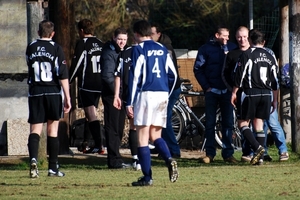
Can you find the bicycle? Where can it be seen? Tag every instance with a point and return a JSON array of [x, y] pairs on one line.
[[187, 124]]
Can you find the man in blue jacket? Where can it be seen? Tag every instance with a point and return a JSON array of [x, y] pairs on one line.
[[208, 72]]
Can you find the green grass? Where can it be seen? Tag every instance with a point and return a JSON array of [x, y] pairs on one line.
[[87, 177]]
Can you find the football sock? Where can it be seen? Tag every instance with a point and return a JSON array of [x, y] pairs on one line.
[[260, 137], [33, 145], [145, 162], [247, 133], [133, 142], [162, 148], [53, 147], [95, 130]]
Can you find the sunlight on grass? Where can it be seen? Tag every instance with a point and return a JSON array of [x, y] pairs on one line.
[[90, 179]]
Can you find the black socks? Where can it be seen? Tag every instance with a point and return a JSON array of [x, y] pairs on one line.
[[33, 145]]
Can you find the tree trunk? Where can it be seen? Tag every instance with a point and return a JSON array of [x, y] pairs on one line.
[[295, 72], [285, 111]]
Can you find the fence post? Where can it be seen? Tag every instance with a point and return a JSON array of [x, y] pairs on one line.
[[294, 28]]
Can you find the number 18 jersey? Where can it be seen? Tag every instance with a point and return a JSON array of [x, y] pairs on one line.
[[46, 63]]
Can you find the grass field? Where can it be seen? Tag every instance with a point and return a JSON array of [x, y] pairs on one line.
[[87, 177]]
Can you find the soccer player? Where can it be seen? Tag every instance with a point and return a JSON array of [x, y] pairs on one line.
[[86, 66], [256, 74], [47, 76], [151, 79]]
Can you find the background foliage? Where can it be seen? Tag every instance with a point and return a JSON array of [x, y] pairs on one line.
[[189, 23]]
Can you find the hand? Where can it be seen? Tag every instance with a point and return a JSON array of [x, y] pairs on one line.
[[274, 106], [233, 99], [117, 103], [129, 110], [67, 105]]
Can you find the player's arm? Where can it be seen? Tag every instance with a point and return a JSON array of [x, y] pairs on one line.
[[67, 99], [172, 74], [78, 57]]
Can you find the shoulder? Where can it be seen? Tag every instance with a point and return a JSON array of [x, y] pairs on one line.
[[231, 46]]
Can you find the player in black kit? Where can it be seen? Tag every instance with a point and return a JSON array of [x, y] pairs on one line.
[[86, 67], [47, 76], [256, 74]]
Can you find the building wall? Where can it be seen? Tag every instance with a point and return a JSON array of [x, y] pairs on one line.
[[13, 87], [13, 26]]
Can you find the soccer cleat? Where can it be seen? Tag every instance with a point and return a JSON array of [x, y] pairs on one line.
[[34, 172], [268, 158], [141, 182], [93, 150], [136, 165], [258, 153], [173, 171], [284, 156], [260, 162], [55, 174]]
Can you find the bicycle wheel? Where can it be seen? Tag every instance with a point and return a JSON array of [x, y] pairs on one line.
[[236, 135], [178, 124]]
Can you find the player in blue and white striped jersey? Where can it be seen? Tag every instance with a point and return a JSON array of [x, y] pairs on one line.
[[151, 79]]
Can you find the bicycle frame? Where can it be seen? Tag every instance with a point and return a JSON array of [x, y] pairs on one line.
[[192, 123]]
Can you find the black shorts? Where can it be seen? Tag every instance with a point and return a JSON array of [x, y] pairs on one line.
[[45, 107], [86, 99], [253, 103]]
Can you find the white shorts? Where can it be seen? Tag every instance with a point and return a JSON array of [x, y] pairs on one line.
[[151, 109]]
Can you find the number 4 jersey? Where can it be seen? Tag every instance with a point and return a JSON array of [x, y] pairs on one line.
[[256, 68], [46, 64], [86, 64]]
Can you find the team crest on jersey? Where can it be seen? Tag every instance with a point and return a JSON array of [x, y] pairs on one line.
[[64, 62], [239, 64]]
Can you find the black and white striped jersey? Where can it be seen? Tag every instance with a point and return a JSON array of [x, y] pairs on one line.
[[86, 64], [46, 63], [256, 68]]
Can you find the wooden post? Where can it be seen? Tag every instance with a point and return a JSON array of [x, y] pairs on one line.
[[285, 110], [294, 28], [35, 14], [59, 14]]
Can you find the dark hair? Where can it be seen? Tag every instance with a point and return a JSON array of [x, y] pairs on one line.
[[221, 28], [120, 30], [46, 28], [86, 25], [142, 27], [156, 25], [256, 36]]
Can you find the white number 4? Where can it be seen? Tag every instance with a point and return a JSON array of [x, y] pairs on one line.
[[155, 68]]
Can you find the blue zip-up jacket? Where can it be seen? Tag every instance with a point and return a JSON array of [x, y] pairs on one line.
[[209, 64]]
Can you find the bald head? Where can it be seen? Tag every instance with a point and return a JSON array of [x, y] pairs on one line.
[[241, 37]]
